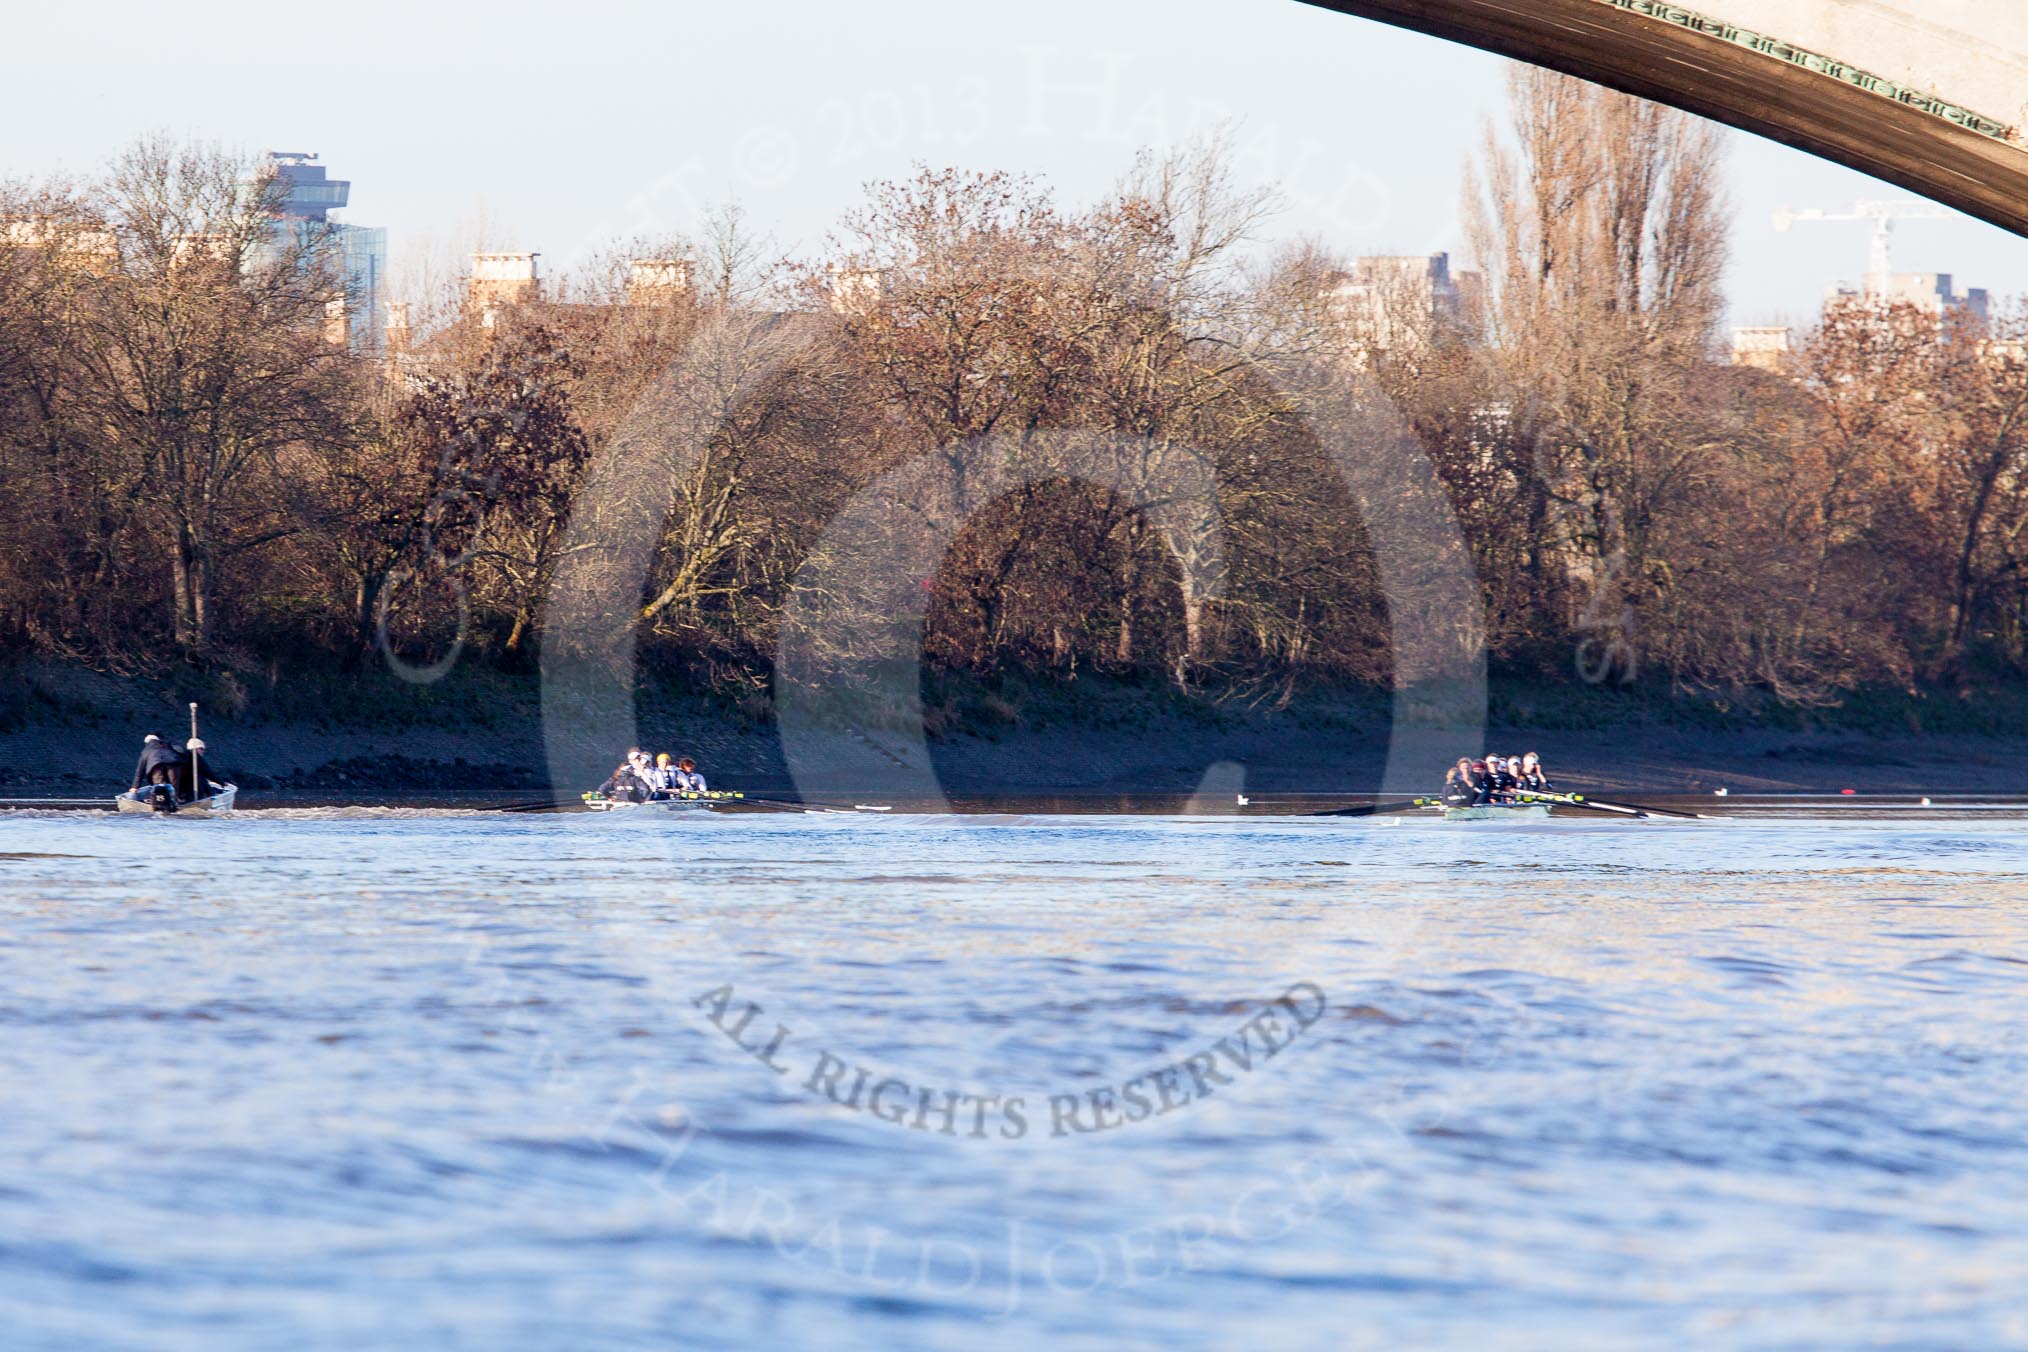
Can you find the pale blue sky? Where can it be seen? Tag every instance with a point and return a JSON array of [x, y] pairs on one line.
[[564, 125]]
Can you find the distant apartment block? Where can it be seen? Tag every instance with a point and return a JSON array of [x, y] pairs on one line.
[[83, 248], [310, 196], [1932, 291], [1397, 301], [1767, 346], [499, 283]]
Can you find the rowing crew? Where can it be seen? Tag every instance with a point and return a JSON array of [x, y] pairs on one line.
[[1496, 779], [640, 780]]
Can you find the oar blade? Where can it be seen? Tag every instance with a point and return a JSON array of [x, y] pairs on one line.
[[1371, 809]]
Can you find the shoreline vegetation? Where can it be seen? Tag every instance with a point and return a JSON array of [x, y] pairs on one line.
[[1127, 487], [72, 730]]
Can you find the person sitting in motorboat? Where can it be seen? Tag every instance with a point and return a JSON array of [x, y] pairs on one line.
[[687, 780], [163, 764]]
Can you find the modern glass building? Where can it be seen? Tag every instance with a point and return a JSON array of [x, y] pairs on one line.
[[311, 196]]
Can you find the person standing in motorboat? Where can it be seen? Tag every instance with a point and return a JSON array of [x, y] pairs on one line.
[[164, 765]]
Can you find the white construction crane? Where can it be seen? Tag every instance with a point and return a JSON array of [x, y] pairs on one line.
[[1883, 214]]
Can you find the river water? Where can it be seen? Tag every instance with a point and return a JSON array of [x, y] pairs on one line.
[[446, 1079]]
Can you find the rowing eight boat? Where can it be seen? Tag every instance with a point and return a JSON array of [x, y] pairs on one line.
[[1498, 812], [675, 802]]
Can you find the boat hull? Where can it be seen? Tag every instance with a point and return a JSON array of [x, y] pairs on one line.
[[219, 801], [1498, 812], [695, 802]]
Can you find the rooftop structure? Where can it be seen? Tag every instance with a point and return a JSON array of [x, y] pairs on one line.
[[1765, 347], [657, 281], [856, 289], [501, 279], [311, 193]]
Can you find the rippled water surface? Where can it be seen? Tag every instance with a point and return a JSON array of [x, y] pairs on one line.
[[460, 1079]]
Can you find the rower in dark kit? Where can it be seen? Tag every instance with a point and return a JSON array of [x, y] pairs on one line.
[[1461, 787], [1498, 785], [626, 784]]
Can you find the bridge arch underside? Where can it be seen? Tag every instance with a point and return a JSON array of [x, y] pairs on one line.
[[1908, 145]]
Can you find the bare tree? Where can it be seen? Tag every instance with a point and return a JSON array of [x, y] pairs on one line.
[[204, 342], [1602, 236]]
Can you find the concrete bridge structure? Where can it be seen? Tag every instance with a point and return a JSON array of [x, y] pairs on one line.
[[1928, 94]]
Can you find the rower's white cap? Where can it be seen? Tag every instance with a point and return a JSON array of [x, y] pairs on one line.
[[151, 737], [195, 745]]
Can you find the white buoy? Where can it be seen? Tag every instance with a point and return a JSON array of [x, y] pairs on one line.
[[1242, 799], [1925, 802]]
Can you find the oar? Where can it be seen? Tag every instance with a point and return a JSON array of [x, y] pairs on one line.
[[1638, 809], [1374, 809], [1624, 809], [52, 802], [546, 805], [817, 807], [1578, 800], [719, 796], [1661, 811]]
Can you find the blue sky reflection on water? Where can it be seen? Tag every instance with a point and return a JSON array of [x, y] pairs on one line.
[[436, 1079]]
